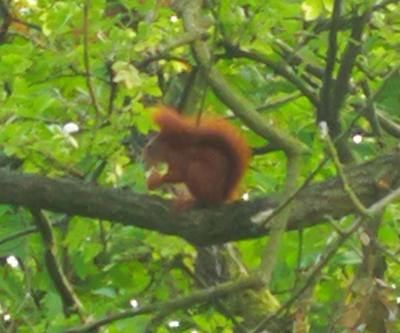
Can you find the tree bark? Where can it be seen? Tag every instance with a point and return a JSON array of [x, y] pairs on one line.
[[202, 227]]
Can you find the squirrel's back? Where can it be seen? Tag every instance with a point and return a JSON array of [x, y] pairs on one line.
[[215, 132]]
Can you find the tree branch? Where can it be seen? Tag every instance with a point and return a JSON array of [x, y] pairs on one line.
[[240, 106], [170, 306], [279, 223], [347, 63], [71, 303], [323, 110], [202, 227], [322, 261], [279, 69], [5, 15]]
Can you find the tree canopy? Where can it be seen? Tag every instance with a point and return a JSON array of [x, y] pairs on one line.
[[311, 246]]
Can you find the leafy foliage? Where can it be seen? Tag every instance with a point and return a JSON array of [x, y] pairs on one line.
[[79, 81]]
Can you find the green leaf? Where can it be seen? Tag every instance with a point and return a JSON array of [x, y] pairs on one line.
[[52, 304], [312, 9], [4, 209]]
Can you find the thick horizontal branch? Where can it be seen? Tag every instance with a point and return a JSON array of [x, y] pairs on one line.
[[369, 181]]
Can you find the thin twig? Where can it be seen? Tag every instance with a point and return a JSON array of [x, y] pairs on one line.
[[370, 113], [240, 106], [27, 24], [86, 62], [383, 81], [346, 186], [332, 248], [295, 59], [24, 233], [273, 104], [278, 228], [219, 305], [71, 303], [279, 69], [382, 203], [170, 306]]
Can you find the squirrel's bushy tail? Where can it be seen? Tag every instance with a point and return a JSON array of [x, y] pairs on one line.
[[170, 120]]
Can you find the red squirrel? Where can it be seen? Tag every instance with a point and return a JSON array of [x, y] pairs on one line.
[[210, 159]]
